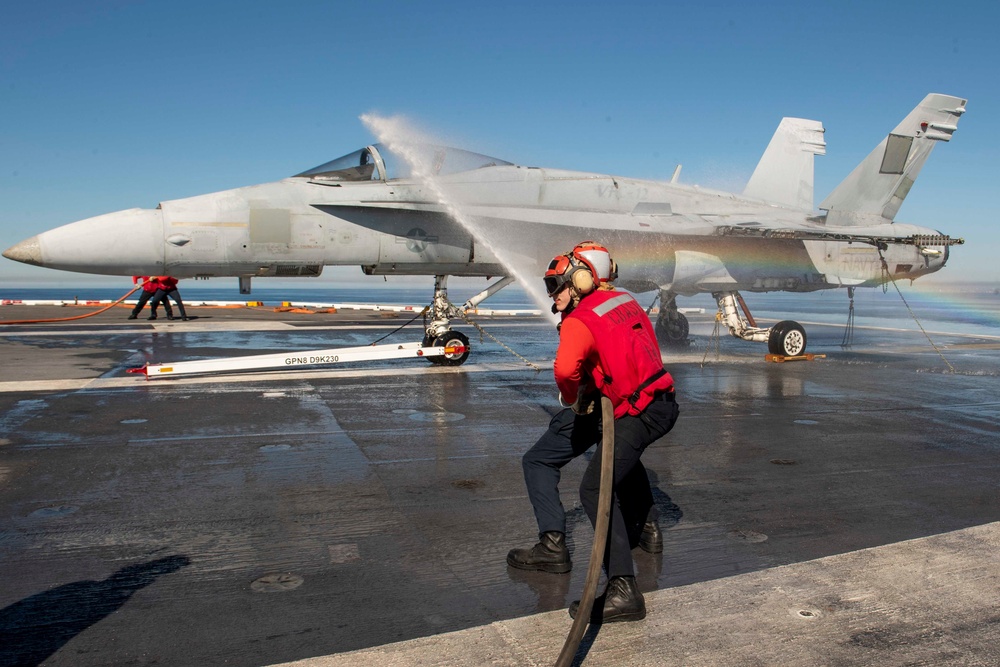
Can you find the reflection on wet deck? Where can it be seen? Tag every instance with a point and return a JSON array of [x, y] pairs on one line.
[[319, 513]]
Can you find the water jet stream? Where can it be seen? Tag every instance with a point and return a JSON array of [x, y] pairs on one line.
[[401, 138]]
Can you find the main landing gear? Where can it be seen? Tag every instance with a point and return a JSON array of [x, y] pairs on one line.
[[439, 332], [786, 338], [671, 326]]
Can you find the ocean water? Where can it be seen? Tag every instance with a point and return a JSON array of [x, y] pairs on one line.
[[511, 297], [971, 308]]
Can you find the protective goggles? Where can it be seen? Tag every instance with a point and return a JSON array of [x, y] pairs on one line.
[[558, 274]]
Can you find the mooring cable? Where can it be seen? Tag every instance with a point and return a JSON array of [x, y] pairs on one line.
[[75, 317], [404, 324], [885, 272], [573, 639], [484, 332], [469, 320], [713, 339]]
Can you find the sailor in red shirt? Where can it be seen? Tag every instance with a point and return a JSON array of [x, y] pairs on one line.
[[606, 346], [149, 288], [167, 288]]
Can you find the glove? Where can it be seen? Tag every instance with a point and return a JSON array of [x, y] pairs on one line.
[[584, 404], [585, 400]]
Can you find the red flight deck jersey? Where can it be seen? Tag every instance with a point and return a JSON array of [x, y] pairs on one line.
[[608, 338], [148, 284], [166, 283]]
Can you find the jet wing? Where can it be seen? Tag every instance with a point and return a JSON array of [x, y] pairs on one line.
[[648, 218]]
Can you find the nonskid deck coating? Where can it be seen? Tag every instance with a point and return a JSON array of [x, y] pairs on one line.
[[267, 518]]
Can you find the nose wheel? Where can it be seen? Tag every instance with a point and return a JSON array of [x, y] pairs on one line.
[[455, 339]]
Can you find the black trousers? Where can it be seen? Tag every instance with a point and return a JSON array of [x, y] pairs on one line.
[[146, 296], [161, 297], [570, 435]]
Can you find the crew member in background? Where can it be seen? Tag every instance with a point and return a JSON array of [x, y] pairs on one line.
[[167, 288], [149, 288], [606, 346]]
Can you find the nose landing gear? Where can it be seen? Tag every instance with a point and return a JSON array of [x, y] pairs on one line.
[[439, 332], [671, 326], [459, 344]]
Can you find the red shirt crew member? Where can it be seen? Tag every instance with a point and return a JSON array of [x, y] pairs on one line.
[[606, 344]]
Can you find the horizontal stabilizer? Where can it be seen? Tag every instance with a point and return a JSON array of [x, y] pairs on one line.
[[784, 174], [875, 190]]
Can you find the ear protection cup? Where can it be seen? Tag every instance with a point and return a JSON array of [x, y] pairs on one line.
[[585, 268], [597, 261], [583, 281]]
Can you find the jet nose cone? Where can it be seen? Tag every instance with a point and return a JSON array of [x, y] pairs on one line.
[[125, 243], [28, 251]]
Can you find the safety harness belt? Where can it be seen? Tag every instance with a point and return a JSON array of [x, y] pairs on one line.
[[652, 378]]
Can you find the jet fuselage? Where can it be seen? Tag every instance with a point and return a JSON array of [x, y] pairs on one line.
[[663, 235]]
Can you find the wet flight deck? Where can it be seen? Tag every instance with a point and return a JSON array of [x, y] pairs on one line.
[[267, 517]]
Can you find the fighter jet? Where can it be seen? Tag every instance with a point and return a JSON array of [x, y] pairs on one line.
[[416, 209]]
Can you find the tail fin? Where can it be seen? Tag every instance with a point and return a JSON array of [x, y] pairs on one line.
[[874, 191], [784, 174]]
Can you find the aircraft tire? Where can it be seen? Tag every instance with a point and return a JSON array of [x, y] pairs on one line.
[[449, 338], [673, 334], [787, 338]]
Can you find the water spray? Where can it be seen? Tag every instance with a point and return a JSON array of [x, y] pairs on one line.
[[402, 138]]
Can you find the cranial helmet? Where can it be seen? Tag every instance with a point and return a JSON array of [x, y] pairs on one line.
[[585, 267]]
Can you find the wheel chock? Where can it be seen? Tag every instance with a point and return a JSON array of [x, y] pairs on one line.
[[780, 358]]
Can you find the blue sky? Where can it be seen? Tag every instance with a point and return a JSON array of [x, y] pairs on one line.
[[110, 105]]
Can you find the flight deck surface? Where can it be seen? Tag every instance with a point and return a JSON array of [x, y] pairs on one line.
[[838, 511]]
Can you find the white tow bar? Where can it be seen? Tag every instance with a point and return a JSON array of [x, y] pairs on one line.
[[337, 355]]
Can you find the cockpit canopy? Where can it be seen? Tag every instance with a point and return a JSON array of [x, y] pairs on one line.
[[378, 162]]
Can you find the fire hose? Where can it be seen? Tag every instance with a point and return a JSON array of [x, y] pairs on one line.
[[576, 632], [75, 317]]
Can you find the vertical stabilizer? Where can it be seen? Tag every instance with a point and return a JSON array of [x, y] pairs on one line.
[[874, 191], [784, 174]]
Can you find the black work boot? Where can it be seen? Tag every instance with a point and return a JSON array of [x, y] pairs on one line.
[[621, 601], [549, 555], [651, 539]]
